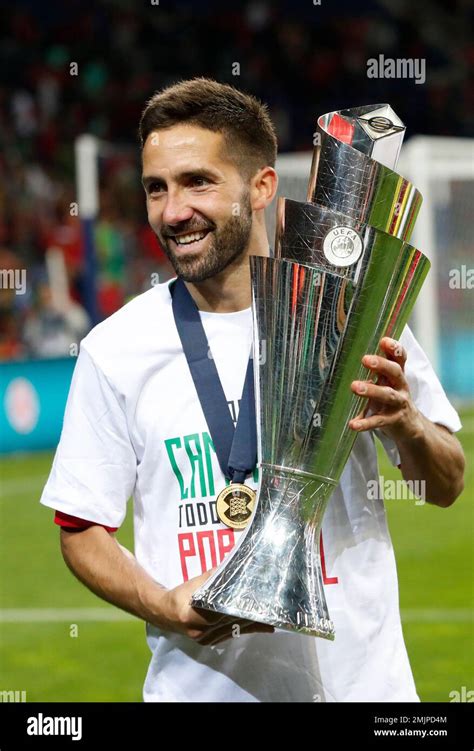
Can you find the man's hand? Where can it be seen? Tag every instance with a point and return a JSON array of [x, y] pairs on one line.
[[202, 626], [428, 452], [389, 400]]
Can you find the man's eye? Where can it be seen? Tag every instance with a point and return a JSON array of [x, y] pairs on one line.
[[199, 181], [155, 188]]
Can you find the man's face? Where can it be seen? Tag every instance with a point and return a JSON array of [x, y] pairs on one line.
[[198, 204]]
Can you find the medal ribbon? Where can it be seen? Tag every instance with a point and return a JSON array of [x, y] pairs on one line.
[[236, 448]]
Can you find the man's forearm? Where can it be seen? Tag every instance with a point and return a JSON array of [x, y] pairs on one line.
[[113, 573], [434, 456]]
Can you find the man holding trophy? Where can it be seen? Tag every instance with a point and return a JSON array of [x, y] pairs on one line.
[[229, 401]]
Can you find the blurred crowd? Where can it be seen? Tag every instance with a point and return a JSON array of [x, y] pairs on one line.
[[83, 66]]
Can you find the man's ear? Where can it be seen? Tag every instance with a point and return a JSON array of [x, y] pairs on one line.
[[263, 187]]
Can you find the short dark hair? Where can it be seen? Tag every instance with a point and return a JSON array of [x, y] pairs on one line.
[[243, 120]]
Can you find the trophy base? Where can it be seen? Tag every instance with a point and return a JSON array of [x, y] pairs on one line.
[[325, 630], [274, 574]]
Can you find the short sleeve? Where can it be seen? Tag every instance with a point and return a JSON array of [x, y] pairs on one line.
[[426, 391], [94, 468]]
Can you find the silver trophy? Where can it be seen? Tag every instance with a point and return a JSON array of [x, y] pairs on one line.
[[343, 277]]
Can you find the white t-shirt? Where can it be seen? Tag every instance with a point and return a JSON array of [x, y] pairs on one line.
[[134, 425]]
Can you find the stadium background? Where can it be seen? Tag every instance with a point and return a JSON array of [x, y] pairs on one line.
[[57, 641]]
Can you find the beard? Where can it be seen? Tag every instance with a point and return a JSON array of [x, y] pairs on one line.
[[225, 245]]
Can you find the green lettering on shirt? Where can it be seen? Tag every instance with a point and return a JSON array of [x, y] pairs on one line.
[[169, 443], [208, 445], [195, 458], [199, 450]]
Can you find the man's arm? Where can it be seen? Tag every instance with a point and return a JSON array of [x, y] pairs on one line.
[[435, 456], [428, 452], [110, 571]]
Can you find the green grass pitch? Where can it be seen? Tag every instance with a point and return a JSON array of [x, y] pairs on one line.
[[55, 657]]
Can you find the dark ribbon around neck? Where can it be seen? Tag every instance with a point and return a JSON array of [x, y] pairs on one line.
[[236, 448]]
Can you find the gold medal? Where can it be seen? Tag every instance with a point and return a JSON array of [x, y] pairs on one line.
[[235, 505]]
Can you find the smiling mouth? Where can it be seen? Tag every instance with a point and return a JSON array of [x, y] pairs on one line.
[[190, 238]]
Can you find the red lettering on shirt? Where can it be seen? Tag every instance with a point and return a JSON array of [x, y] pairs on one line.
[[187, 549], [209, 547], [201, 538], [226, 541]]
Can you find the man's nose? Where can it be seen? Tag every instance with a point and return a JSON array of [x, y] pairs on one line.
[[176, 209]]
